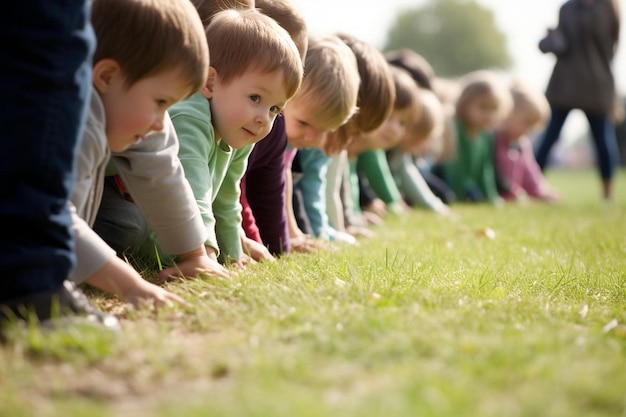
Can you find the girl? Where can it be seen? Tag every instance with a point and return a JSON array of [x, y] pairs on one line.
[[481, 105], [515, 160]]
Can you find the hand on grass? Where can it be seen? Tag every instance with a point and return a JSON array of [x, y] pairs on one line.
[[256, 250], [193, 263]]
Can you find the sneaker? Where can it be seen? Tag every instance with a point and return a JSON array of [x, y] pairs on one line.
[[66, 302]]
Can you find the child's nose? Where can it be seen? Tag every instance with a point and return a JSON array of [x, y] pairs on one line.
[[263, 118], [158, 124]]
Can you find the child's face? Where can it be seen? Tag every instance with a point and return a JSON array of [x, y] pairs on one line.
[[244, 109], [517, 124], [303, 131], [131, 113], [391, 132], [482, 113]]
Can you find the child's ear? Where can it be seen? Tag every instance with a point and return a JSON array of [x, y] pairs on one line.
[[103, 72], [207, 89]]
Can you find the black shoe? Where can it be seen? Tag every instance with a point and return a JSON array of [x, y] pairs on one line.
[[65, 302]]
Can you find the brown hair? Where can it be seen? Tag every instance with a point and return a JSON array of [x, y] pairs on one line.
[[331, 81], [207, 8], [245, 40], [290, 18], [415, 64], [376, 92], [407, 91], [148, 37]]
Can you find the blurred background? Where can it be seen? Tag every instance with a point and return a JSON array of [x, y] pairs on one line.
[[459, 36]]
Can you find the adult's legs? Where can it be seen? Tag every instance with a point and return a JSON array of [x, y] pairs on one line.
[[607, 152], [550, 135], [45, 80]]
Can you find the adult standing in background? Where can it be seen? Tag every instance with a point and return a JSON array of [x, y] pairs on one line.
[[45, 80], [584, 43]]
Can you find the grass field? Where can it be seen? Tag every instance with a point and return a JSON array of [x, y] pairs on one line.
[[432, 317]]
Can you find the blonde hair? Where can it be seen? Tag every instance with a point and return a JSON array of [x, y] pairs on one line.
[[290, 18], [430, 125], [331, 81], [148, 37], [479, 84], [531, 102], [207, 8], [245, 40]]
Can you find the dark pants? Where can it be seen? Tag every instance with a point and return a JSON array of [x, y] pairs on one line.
[[602, 131], [45, 80]]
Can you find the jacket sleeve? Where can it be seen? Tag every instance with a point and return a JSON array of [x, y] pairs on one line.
[[155, 178], [91, 251]]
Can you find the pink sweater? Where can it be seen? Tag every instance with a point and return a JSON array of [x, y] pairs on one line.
[[518, 166]]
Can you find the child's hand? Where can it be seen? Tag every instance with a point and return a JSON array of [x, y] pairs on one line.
[[147, 292], [372, 218], [193, 263], [305, 244], [378, 207], [256, 250]]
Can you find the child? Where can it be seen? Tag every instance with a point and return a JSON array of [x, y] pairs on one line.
[[255, 70], [136, 77], [325, 101], [482, 104], [514, 153], [264, 224], [144, 176], [367, 155], [375, 102], [420, 136]]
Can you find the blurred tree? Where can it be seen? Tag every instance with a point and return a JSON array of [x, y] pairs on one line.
[[455, 36]]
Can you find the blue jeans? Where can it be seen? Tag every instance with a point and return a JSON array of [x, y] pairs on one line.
[[602, 130], [45, 81]]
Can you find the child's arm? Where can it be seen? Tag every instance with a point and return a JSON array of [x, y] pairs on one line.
[[376, 169], [313, 186], [227, 208], [98, 265], [154, 176], [532, 179], [334, 205], [119, 278], [265, 188], [487, 179], [414, 186]]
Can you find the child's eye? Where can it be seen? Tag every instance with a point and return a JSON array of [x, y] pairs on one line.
[[275, 109], [161, 103], [255, 97]]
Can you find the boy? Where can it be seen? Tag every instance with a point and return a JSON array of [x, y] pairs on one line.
[[325, 101], [264, 219], [375, 102], [137, 75], [141, 178], [255, 70]]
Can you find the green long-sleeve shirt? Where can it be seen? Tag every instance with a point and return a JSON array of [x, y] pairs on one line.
[[214, 171], [472, 169]]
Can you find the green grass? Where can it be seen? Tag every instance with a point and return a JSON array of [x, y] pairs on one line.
[[430, 318]]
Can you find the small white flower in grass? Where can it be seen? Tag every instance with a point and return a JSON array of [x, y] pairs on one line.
[[583, 311], [609, 326], [339, 282]]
